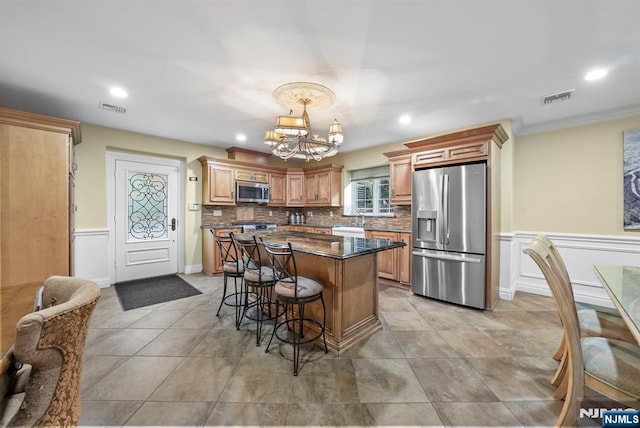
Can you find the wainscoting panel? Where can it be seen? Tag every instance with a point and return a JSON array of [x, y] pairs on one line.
[[580, 252], [90, 257]]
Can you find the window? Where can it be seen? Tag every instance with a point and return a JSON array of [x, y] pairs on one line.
[[371, 196], [368, 193]]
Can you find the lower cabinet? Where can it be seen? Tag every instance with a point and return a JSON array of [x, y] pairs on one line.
[[211, 262], [404, 275], [394, 265], [322, 230]]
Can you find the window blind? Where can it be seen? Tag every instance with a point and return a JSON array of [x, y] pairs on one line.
[[366, 173]]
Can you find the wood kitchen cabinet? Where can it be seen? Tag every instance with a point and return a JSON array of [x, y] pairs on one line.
[[456, 153], [404, 262], [277, 190], [251, 175], [211, 262], [36, 219], [400, 175], [395, 264], [323, 186], [218, 184], [387, 260], [295, 187], [322, 230]]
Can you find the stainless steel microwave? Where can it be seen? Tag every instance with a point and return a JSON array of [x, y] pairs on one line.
[[252, 192]]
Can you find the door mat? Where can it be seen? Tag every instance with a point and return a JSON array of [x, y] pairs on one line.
[[150, 291]]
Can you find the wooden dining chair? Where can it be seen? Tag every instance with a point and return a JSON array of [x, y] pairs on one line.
[[608, 366], [601, 322]]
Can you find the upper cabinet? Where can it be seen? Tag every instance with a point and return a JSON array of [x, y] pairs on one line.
[[323, 186], [251, 175], [295, 187], [400, 170], [218, 184], [476, 144], [278, 189], [290, 187]]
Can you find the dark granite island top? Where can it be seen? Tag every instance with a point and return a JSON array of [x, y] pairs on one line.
[[348, 270], [337, 247]]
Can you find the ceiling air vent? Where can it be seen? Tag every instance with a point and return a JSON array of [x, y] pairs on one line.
[[556, 98], [111, 107]]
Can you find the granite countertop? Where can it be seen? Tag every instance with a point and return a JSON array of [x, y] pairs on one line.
[[379, 229], [372, 228], [337, 247]]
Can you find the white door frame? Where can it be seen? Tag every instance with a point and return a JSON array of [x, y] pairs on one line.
[[112, 157]]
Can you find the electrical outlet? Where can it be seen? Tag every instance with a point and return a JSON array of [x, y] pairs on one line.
[[217, 213]]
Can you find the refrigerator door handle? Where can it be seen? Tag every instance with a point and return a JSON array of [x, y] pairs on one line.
[[449, 257], [445, 204], [441, 223]]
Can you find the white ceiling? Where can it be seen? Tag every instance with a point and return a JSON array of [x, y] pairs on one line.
[[203, 71]]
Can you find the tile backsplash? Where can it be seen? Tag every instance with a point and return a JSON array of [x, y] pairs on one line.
[[320, 216]]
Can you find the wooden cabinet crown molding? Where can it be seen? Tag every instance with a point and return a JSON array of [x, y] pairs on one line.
[[38, 121], [457, 147], [326, 167], [482, 134], [240, 154], [233, 163]]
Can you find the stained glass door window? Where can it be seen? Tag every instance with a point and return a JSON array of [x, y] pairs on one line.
[[147, 213]]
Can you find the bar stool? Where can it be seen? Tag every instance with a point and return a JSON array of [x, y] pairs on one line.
[[232, 267], [259, 282], [294, 292]]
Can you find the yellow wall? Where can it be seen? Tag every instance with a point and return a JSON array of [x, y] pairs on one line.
[[570, 180]]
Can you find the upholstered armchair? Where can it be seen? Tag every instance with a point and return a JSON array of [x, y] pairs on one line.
[[51, 340]]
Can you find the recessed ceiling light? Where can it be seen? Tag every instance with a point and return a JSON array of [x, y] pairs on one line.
[[595, 74], [118, 92], [241, 137], [404, 119]]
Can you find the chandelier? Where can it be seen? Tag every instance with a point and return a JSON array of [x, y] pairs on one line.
[[291, 137]]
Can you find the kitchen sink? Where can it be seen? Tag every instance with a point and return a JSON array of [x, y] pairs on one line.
[[348, 231]]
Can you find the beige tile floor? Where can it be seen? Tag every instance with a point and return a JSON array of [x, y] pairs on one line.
[[433, 364]]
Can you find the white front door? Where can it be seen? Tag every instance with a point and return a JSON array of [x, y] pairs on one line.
[[146, 216]]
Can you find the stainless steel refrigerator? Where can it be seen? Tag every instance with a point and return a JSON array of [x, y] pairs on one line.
[[449, 223]]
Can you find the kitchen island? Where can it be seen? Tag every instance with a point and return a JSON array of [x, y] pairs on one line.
[[347, 267]]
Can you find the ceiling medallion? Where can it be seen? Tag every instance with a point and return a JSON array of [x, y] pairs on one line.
[[291, 137]]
